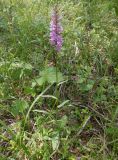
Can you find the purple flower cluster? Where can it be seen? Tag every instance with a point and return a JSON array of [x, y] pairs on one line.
[[56, 30]]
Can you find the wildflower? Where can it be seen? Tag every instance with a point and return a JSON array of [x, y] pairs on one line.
[[56, 30]]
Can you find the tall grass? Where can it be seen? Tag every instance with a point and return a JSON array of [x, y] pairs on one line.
[[83, 124]]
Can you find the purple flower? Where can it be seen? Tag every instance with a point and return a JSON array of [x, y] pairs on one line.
[[56, 30]]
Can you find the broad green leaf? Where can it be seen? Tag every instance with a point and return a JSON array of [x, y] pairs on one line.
[[48, 75]]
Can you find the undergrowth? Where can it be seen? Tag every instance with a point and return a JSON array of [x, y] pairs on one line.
[[76, 118]]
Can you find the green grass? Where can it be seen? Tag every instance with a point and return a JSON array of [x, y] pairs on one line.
[[76, 118]]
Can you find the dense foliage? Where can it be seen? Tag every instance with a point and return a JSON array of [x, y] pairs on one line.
[[66, 110]]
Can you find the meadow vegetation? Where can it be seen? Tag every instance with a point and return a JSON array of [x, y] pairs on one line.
[[76, 117]]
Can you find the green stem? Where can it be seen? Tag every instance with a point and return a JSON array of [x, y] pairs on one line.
[[56, 65], [56, 72]]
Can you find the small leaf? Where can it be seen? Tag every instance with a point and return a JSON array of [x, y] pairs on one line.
[[19, 106], [21, 65], [89, 87], [29, 91], [40, 81], [28, 66], [55, 142], [81, 80], [63, 121]]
